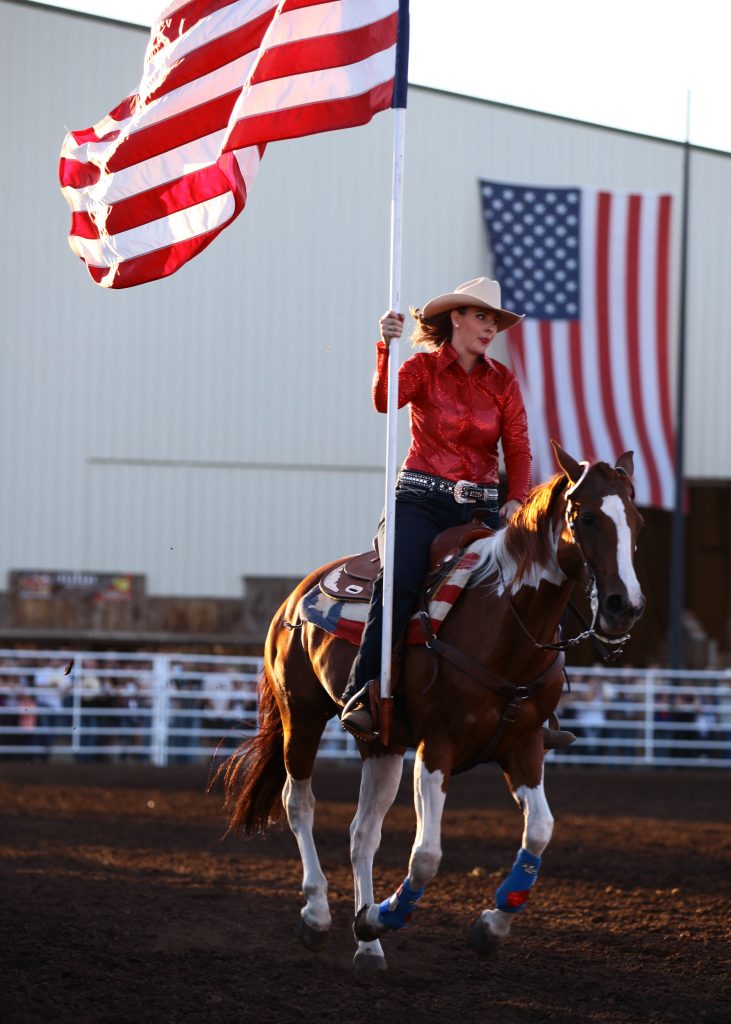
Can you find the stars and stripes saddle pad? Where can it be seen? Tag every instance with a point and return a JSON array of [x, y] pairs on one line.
[[346, 619]]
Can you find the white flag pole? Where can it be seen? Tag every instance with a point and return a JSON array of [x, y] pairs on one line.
[[392, 412], [400, 90]]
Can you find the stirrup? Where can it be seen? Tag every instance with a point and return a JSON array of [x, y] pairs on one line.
[[356, 717]]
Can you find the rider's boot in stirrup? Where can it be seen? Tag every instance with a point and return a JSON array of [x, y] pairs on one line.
[[356, 716], [557, 739]]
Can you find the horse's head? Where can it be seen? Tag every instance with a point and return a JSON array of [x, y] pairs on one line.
[[602, 527]]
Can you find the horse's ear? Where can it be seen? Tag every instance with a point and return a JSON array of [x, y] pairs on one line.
[[569, 465], [626, 464]]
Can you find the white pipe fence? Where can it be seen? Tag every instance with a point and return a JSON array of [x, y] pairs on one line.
[[173, 708]]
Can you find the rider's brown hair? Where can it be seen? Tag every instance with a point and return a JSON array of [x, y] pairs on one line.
[[433, 331]]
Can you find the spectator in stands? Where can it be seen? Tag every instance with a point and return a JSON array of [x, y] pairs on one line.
[[27, 716], [51, 685], [663, 724], [621, 716], [686, 733], [724, 717], [92, 696], [129, 722], [707, 724], [185, 712], [243, 704], [590, 715], [8, 700], [218, 688]]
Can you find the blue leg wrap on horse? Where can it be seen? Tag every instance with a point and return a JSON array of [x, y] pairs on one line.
[[396, 911], [515, 890]]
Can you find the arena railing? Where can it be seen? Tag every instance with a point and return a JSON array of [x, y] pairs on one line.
[[177, 708]]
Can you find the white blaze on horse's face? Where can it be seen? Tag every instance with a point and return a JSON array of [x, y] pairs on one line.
[[613, 506]]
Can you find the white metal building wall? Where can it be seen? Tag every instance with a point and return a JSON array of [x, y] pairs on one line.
[[218, 424], [708, 382]]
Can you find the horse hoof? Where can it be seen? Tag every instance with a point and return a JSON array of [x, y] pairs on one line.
[[363, 929], [365, 962], [312, 938], [482, 940]]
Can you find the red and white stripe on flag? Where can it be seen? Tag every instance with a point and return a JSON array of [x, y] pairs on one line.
[[154, 182], [590, 270]]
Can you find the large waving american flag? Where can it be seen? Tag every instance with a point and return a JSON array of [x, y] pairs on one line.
[[155, 181], [590, 271]]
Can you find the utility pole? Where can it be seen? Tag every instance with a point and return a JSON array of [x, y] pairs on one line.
[[677, 541]]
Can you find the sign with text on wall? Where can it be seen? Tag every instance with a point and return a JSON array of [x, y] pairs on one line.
[[98, 587]]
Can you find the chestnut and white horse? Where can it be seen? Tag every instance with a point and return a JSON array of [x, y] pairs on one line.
[[479, 692]]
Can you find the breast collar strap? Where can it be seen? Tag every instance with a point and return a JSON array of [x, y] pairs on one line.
[[515, 696], [472, 667]]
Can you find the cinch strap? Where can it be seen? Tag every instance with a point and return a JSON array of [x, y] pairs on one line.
[[515, 890], [396, 911]]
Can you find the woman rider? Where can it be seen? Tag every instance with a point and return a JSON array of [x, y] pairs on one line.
[[461, 404]]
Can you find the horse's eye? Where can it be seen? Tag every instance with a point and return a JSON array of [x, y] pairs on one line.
[[587, 518]]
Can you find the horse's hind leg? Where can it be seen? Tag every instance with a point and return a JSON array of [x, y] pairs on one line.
[[300, 749], [378, 787], [524, 773]]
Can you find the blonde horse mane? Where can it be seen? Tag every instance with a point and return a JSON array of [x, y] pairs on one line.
[[525, 551]]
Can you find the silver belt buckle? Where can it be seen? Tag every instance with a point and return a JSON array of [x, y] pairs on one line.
[[459, 489]]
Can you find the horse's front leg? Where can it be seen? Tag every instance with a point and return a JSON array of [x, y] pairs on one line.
[[378, 787], [376, 919], [493, 926]]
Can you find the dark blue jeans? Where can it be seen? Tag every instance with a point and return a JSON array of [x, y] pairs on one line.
[[421, 514]]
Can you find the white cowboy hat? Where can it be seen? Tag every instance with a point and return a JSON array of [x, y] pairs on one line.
[[481, 292]]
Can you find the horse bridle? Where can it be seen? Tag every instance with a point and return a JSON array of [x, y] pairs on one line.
[[571, 514]]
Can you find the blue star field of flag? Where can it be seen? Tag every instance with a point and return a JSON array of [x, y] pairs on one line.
[[534, 236]]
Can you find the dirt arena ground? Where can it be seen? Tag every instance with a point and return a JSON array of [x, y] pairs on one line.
[[121, 904]]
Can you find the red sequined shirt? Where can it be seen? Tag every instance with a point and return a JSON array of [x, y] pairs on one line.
[[457, 418]]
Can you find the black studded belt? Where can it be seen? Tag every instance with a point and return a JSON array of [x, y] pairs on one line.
[[463, 491]]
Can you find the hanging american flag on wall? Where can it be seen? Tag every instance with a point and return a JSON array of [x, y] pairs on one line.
[[154, 182], [590, 271]]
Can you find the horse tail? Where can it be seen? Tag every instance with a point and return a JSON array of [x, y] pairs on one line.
[[254, 775]]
